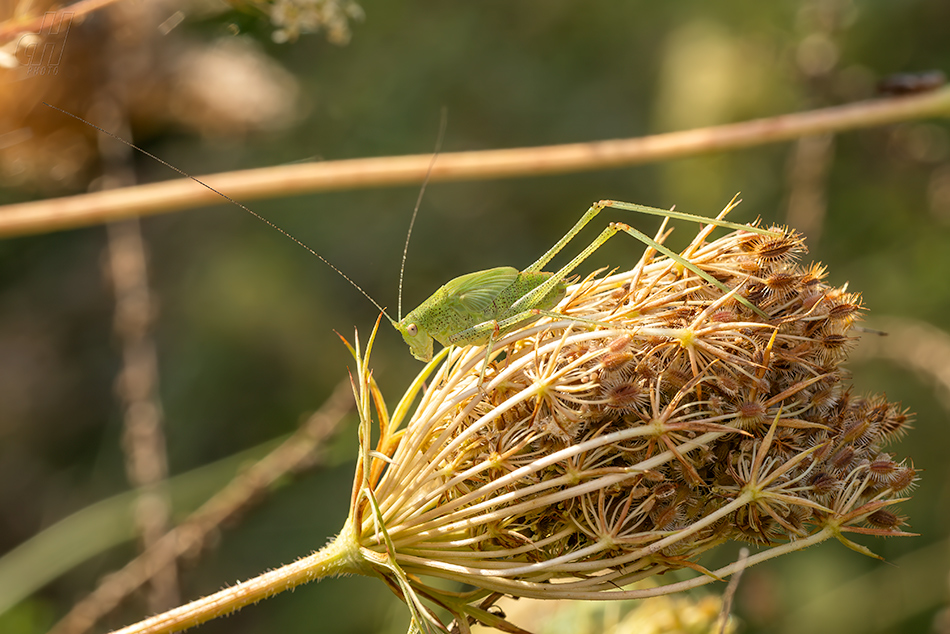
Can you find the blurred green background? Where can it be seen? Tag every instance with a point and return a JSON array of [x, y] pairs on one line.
[[246, 320]]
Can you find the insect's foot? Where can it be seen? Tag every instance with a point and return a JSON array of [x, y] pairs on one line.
[[483, 394]]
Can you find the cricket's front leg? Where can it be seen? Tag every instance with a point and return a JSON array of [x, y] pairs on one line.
[[489, 332], [493, 329]]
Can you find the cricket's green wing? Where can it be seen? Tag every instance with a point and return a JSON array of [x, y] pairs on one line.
[[472, 295]]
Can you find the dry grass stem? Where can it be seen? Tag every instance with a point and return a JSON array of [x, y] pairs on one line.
[[286, 180], [143, 436], [809, 169], [296, 454]]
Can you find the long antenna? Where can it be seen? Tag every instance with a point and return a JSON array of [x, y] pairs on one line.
[[228, 198], [405, 249]]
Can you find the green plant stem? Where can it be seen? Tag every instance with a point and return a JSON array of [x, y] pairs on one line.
[[286, 180], [341, 556]]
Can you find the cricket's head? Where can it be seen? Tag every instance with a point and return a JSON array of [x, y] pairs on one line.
[[420, 343]]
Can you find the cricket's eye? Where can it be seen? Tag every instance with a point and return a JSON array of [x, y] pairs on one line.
[[412, 330]]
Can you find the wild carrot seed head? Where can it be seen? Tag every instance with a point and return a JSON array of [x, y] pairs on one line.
[[668, 421]]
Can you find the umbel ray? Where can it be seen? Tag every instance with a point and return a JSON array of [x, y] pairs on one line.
[[479, 308]]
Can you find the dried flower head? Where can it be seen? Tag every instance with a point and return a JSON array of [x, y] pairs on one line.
[[661, 417], [225, 88], [660, 414]]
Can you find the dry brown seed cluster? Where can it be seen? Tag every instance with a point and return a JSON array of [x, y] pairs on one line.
[[595, 456]]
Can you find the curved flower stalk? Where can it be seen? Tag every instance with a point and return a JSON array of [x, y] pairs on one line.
[[659, 418]]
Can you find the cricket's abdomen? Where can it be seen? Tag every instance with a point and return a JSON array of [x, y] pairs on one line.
[[466, 314]]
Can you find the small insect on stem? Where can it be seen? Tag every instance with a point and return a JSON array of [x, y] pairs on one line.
[[481, 307]]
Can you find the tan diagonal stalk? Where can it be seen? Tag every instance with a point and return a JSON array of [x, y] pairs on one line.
[[286, 180]]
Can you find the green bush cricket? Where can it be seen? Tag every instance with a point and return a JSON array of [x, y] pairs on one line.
[[479, 308]]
